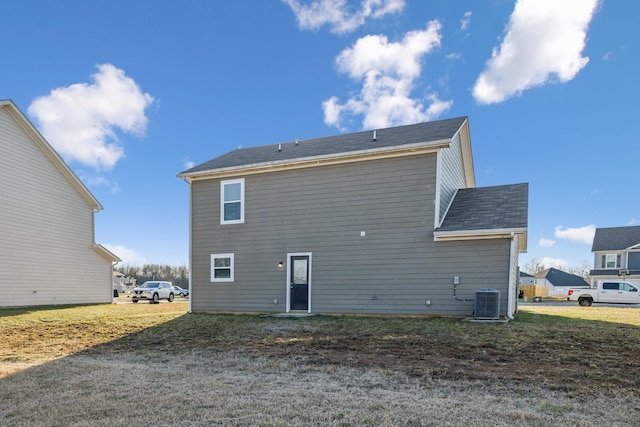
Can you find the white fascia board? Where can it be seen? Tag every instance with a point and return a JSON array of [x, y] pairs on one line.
[[329, 159], [482, 235], [467, 154], [106, 253]]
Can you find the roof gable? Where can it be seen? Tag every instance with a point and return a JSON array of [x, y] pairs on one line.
[[55, 158], [616, 238], [429, 134]]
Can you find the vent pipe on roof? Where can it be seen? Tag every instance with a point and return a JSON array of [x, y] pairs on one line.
[[296, 140], [374, 135], [279, 147]]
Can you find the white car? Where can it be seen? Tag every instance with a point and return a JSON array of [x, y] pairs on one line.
[[153, 291], [180, 292]]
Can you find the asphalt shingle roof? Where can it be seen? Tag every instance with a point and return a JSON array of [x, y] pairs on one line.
[[488, 208], [347, 143], [615, 238], [560, 278]]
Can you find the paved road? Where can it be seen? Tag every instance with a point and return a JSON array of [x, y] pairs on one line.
[[572, 304]]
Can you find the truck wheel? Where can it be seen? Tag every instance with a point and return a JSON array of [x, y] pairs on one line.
[[585, 302]]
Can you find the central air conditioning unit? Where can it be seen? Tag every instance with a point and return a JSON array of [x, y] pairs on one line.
[[487, 304]]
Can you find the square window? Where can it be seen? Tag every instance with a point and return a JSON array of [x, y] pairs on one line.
[[222, 267], [232, 201]]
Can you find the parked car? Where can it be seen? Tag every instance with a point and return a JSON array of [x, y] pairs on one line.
[[606, 291], [153, 291], [180, 292]]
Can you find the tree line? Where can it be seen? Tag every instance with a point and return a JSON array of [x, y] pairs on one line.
[[536, 265], [179, 275]]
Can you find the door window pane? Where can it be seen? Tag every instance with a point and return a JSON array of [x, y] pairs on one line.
[[300, 268]]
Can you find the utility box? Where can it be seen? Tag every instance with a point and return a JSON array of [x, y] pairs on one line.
[[487, 305]]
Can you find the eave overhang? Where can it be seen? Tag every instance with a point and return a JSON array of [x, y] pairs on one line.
[[443, 236], [106, 253], [324, 160], [467, 154]]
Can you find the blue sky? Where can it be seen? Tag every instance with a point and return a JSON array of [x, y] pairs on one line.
[[131, 93]]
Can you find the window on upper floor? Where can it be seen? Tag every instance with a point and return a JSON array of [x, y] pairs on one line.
[[610, 261], [222, 266], [232, 201]]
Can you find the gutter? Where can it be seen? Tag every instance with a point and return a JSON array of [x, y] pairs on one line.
[[302, 162]]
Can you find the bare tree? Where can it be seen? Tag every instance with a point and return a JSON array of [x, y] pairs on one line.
[[583, 269], [535, 265], [179, 275]]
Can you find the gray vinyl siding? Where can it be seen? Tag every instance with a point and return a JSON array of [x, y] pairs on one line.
[[47, 251], [451, 174], [395, 268]]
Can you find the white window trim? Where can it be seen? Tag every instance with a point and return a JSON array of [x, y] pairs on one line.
[[231, 267], [222, 185], [288, 283], [615, 261]]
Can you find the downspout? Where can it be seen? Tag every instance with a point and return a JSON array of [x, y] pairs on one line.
[[188, 181], [512, 279]]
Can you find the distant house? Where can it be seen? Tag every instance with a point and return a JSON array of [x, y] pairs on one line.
[[387, 221], [47, 250], [616, 253], [527, 279], [557, 281]]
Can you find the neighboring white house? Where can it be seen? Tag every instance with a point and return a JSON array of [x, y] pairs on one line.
[[47, 250]]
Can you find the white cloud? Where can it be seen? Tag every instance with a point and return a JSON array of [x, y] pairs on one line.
[[466, 19], [546, 243], [93, 181], [80, 120], [543, 43], [634, 221], [581, 234], [558, 263], [127, 255], [188, 164], [340, 16], [388, 72]]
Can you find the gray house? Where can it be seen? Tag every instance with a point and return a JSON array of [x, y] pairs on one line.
[[387, 221], [616, 253], [48, 254]]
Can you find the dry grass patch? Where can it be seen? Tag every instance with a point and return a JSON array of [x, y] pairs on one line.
[[551, 366]]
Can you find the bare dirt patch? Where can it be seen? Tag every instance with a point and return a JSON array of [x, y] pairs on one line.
[[548, 367]]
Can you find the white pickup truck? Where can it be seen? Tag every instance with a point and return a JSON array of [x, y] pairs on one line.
[[606, 291]]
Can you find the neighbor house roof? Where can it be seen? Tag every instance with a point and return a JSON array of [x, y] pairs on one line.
[[616, 238], [560, 278], [50, 152], [485, 211], [429, 135]]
